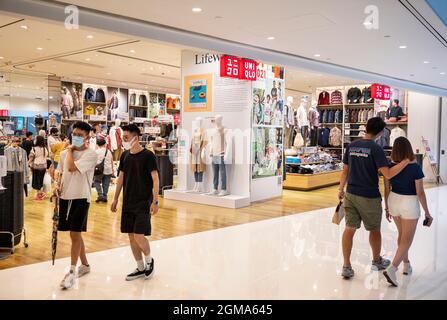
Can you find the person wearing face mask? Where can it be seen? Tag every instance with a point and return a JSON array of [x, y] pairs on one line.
[[138, 176], [76, 169]]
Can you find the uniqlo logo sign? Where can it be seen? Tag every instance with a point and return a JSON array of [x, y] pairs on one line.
[[247, 69], [239, 68], [380, 91], [229, 66]]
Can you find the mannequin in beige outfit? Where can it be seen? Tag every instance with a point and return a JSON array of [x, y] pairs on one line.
[[197, 151]]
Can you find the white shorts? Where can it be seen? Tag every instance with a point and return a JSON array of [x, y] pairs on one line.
[[406, 207]]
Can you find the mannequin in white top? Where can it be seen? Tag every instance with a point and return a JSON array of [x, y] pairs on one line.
[[197, 150], [116, 140], [289, 122], [303, 120], [220, 152]]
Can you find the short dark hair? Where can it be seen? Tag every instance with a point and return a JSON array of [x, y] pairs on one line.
[[101, 142], [29, 134], [375, 125], [132, 128], [54, 130], [84, 126], [62, 137], [396, 101], [402, 150], [40, 142]]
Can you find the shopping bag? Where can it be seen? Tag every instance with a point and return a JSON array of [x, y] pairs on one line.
[[339, 213]]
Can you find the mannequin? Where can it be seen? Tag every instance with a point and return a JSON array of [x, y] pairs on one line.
[[314, 123], [289, 122], [220, 152], [116, 140], [113, 106], [303, 120], [197, 151]]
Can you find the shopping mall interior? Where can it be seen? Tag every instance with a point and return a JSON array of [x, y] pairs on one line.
[[292, 90]]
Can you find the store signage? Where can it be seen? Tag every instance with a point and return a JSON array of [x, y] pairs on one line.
[[206, 58], [428, 152], [97, 118], [152, 130], [261, 71], [165, 118], [229, 66], [140, 120], [380, 91], [238, 68], [247, 69]]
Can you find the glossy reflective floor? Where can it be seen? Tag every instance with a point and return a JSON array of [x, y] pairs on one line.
[[293, 257]]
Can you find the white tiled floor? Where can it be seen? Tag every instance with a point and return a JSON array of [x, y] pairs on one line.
[[295, 257]]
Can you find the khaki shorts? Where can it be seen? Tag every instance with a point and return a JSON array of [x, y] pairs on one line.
[[358, 209]]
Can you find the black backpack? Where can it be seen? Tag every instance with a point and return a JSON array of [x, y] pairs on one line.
[[99, 168]]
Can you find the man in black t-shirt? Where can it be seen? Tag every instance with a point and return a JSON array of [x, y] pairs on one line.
[[138, 176], [28, 143], [363, 160]]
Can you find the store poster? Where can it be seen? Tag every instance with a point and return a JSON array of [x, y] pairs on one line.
[[71, 100], [117, 104], [162, 103], [267, 118], [172, 102], [198, 93]]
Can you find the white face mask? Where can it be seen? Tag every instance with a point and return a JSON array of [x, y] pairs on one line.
[[128, 144]]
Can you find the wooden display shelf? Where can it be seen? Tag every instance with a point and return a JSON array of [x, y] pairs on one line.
[[307, 182], [94, 102], [145, 107], [360, 105], [331, 106]]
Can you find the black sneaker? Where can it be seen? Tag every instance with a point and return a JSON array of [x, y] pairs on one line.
[[149, 269], [135, 275]]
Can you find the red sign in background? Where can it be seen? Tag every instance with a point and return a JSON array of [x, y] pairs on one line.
[[238, 68], [229, 66], [380, 91]]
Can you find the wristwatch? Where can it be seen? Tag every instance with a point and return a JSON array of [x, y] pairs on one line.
[[155, 202]]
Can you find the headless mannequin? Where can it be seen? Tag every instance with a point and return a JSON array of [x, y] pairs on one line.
[[303, 120], [289, 122], [197, 150], [314, 123], [218, 147]]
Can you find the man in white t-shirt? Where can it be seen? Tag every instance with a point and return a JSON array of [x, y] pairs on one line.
[[76, 169]]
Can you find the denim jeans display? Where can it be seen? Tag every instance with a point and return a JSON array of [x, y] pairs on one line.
[[198, 176], [102, 186], [219, 169]]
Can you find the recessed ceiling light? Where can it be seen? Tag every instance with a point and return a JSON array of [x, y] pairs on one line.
[[196, 9], [132, 51], [152, 68], [442, 73], [51, 97], [2, 58], [108, 73], [367, 23], [25, 27], [426, 62], [89, 36], [270, 38], [402, 47], [39, 48], [87, 59], [317, 55]]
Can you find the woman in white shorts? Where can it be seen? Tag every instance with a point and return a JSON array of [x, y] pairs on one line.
[[403, 194]]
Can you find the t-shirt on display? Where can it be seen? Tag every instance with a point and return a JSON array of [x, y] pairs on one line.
[[364, 158], [138, 183]]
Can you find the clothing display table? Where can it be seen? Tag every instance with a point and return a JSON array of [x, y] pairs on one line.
[[307, 182]]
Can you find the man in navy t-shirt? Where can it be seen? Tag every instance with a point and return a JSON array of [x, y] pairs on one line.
[[363, 160]]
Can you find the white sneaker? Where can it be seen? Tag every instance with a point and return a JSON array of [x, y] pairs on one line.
[[214, 192], [68, 281], [390, 275], [408, 270], [223, 193], [83, 270]]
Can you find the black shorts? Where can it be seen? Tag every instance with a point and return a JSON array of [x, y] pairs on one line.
[[139, 223], [38, 178], [76, 218]]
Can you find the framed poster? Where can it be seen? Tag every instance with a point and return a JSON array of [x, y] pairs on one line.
[[198, 93]]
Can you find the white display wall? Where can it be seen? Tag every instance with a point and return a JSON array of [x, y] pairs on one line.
[[233, 100]]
